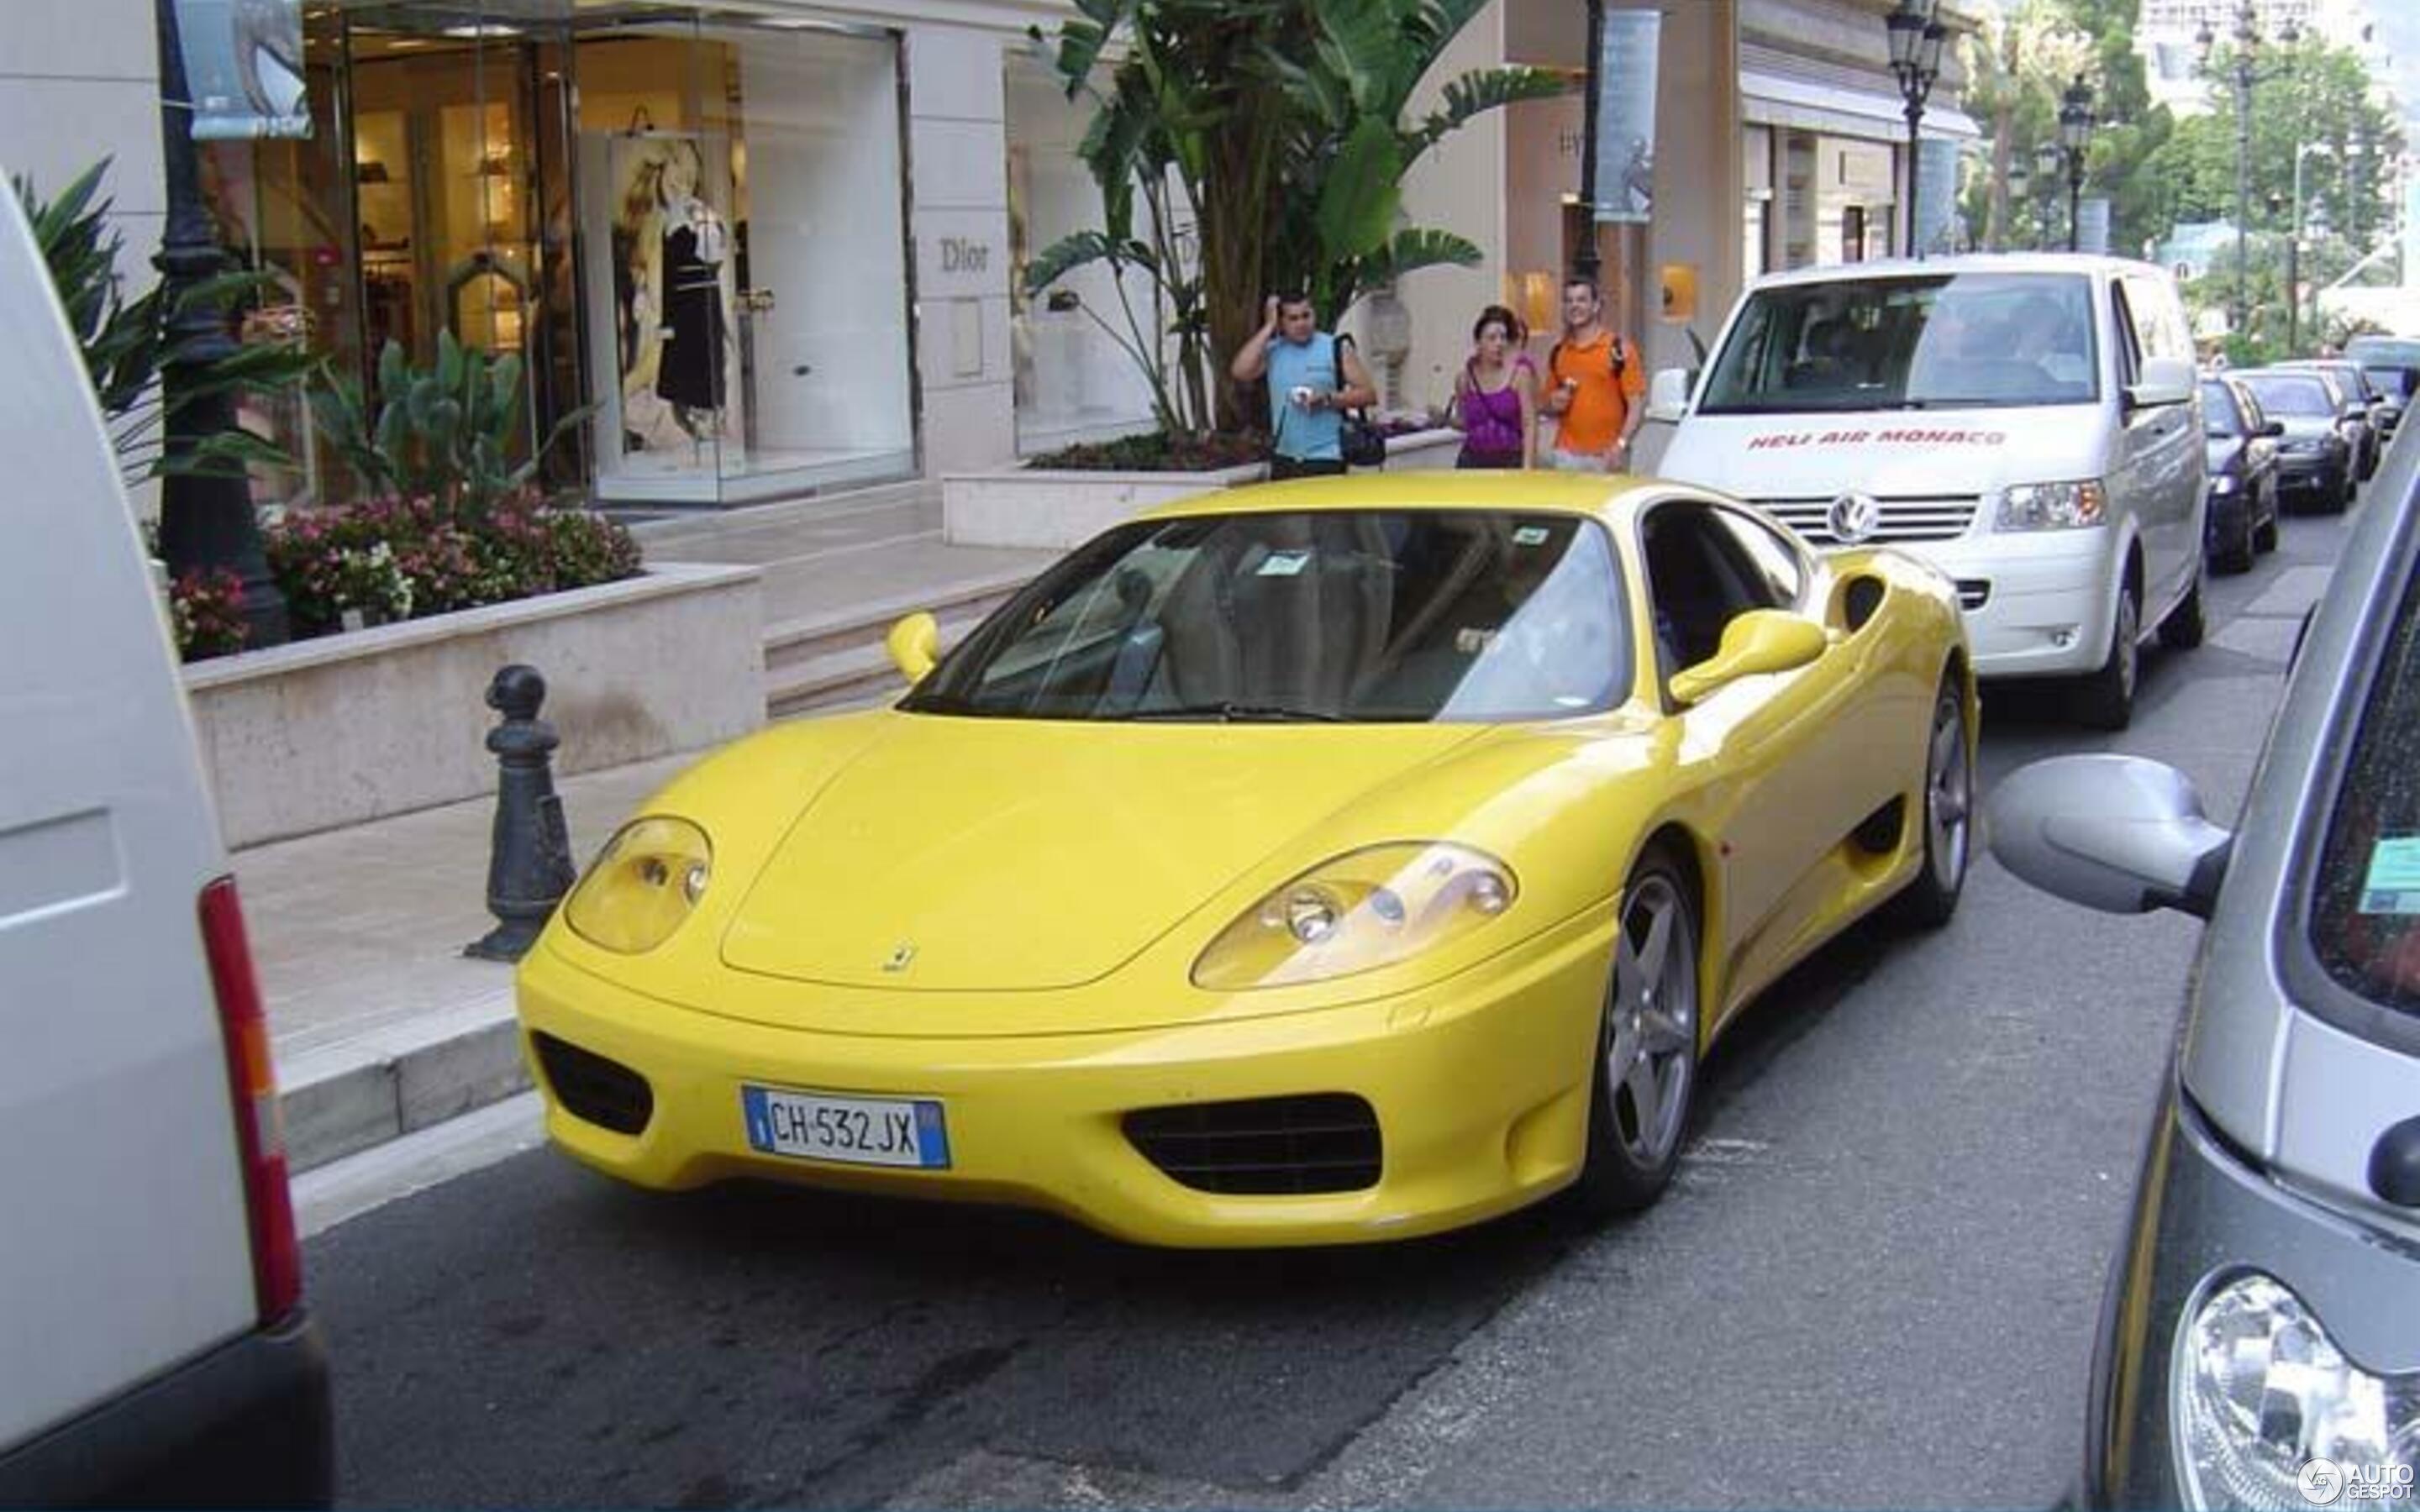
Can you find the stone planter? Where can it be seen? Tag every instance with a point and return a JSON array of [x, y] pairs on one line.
[[348, 728]]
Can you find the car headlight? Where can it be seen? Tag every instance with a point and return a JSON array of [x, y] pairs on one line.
[[1357, 912], [2224, 483], [2053, 506], [646, 880], [2258, 1392]]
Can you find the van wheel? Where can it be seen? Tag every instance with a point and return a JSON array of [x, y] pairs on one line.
[[2185, 626], [1645, 1065], [1931, 896], [2104, 700]]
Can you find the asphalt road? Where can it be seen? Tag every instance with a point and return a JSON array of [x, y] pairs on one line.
[[1872, 1284]]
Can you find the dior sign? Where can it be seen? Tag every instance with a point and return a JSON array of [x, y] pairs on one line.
[[964, 255]]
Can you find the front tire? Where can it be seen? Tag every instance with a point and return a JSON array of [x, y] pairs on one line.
[[2238, 555], [1931, 896], [2185, 626], [1646, 1066], [2104, 700], [2264, 535]]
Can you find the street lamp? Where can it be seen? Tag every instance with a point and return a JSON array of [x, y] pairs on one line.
[[2074, 136], [2020, 180], [1915, 39], [2246, 75], [2294, 248], [2047, 159], [205, 521]]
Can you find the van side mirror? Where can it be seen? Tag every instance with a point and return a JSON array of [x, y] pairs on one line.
[[2164, 380], [2271, 428], [1667, 394]]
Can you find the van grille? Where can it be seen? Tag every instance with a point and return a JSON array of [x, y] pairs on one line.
[[1943, 519], [1271, 1146], [604, 1092]]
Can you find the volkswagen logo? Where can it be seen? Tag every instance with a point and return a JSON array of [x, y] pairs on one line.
[[1854, 517]]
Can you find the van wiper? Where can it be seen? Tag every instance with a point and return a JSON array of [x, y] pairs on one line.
[[1228, 711]]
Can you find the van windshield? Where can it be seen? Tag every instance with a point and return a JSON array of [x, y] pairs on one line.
[[1934, 342]]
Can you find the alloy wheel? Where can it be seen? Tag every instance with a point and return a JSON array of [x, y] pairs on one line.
[[1651, 1052], [1949, 797]]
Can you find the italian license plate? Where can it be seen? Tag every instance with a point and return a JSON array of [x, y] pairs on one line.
[[854, 1130]]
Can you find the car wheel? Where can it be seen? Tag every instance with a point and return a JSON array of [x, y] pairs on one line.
[[1931, 896], [2340, 498], [2264, 535], [2185, 626], [2104, 699], [2239, 553], [1646, 1067]]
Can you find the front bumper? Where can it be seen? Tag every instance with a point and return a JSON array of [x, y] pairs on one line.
[[1480, 1083], [2202, 1214], [2313, 474], [2048, 598]]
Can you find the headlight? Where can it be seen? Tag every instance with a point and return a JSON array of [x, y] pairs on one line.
[[2258, 1392], [646, 880], [2053, 506], [1361, 911], [2224, 483]]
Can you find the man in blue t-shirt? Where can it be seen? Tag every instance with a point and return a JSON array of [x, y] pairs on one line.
[[1313, 380]]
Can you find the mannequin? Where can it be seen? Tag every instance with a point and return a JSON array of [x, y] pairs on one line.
[[688, 376]]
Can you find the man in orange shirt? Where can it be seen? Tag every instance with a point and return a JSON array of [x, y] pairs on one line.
[[1597, 386]]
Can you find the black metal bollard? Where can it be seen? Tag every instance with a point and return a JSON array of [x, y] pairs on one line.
[[529, 868]]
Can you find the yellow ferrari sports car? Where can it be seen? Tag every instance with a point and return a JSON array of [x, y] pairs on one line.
[[1322, 862]]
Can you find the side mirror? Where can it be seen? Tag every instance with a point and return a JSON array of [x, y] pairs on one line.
[[2116, 833], [915, 645], [2272, 428], [1760, 641], [1667, 394], [2164, 380]]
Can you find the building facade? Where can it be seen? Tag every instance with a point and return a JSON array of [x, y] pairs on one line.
[[758, 249]]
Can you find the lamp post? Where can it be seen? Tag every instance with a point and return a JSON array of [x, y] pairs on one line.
[[2020, 180], [1915, 37], [2245, 73], [2074, 136], [205, 521], [2294, 249], [2047, 159], [1585, 261]]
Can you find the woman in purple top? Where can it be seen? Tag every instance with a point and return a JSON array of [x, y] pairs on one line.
[[1496, 395]]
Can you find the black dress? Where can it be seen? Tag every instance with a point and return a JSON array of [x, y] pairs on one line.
[[691, 370]]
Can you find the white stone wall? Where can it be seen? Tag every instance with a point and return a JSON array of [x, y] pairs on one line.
[[80, 81], [958, 154]]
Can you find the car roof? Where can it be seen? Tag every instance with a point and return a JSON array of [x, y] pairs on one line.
[[1579, 493], [1980, 262]]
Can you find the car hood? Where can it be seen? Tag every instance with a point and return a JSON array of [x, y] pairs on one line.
[[956, 855], [2305, 427], [1891, 453]]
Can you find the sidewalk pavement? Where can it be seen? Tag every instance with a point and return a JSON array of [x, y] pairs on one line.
[[379, 1025]]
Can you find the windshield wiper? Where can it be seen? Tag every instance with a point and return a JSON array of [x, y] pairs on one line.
[[1231, 712]]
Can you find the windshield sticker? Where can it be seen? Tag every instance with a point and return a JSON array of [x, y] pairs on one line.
[[1892, 435], [1530, 535], [1284, 564], [2393, 885]]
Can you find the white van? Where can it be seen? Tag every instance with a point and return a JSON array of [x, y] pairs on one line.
[[154, 1347], [2028, 423]]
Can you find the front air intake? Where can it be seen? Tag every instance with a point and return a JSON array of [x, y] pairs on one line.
[[604, 1092], [1266, 1147]]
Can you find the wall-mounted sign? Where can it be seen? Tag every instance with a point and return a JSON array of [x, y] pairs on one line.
[[243, 67], [1625, 116]]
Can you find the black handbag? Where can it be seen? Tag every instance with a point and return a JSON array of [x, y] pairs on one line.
[[1363, 444]]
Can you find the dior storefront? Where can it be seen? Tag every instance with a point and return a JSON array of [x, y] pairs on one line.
[[699, 228]]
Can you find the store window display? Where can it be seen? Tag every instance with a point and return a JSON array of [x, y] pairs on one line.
[[673, 303]]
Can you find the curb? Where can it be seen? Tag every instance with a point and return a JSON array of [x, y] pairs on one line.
[[395, 1080]]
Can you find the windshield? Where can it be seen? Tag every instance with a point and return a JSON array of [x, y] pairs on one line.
[[2365, 918], [2218, 411], [1363, 616], [2281, 394], [1956, 340]]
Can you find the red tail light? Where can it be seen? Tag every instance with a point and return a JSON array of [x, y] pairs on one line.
[[261, 1132]]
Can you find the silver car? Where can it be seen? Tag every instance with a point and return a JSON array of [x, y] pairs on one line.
[[2259, 1342]]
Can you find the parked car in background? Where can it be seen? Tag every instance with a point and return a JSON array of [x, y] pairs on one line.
[[2315, 455], [2242, 519], [2393, 364], [2259, 1340], [2027, 423], [155, 1347], [2363, 400]]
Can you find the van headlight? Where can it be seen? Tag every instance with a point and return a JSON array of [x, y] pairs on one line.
[[642, 885], [1357, 912], [2258, 1391], [2053, 506]]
